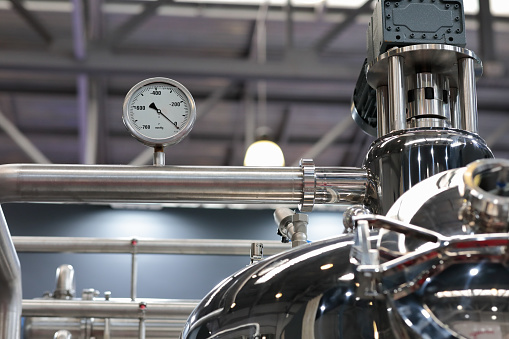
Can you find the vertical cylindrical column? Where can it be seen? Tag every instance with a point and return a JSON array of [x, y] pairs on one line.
[[382, 111], [467, 94], [455, 110], [396, 91], [134, 269], [141, 333]]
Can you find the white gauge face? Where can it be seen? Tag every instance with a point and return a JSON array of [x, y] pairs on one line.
[[159, 111]]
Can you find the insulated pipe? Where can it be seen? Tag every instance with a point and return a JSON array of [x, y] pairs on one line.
[[107, 309], [120, 184], [143, 246], [10, 285]]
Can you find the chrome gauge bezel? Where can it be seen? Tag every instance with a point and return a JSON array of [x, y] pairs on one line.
[[172, 139]]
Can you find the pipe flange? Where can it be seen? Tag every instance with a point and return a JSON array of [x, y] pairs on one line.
[[308, 185], [486, 196]]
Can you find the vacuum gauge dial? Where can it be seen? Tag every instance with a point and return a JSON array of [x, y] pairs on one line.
[[159, 111]]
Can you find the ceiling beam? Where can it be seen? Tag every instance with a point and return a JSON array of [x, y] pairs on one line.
[[336, 30], [213, 99], [79, 30], [32, 20], [328, 139], [22, 141], [106, 64], [289, 26], [131, 25]]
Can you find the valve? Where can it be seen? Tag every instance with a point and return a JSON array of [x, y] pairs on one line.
[[291, 226]]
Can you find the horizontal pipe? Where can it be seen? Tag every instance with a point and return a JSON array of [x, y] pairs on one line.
[[156, 184], [45, 327], [107, 309], [144, 246]]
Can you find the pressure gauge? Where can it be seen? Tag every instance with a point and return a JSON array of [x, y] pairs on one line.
[[159, 111]]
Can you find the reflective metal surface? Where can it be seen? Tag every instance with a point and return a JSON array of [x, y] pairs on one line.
[[350, 213], [113, 308], [433, 203], [467, 94], [423, 82], [81, 184], [451, 287], [396, 92], [467, 300], [458, 202], [44, 327], [382, 110], [291, 226], [336, 288], [428, 100], [455, 110], [10, 284], [435, 58], [155, 246], [485, 190], [402, 159], [65, 282], [307, 292]]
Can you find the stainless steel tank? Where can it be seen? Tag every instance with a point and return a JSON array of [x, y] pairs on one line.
[[434, 267], [307, 292], [445, 276]]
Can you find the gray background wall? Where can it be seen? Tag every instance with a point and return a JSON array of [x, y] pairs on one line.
[[160, 276]]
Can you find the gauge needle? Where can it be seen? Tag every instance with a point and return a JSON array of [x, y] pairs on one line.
[[153, 106]]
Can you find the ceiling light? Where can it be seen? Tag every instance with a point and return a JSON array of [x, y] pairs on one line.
[[264, 153]]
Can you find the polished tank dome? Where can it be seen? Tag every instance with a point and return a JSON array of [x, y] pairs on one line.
[[306, 292]]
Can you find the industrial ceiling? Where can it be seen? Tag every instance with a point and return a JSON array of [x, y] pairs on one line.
[[65, 67]]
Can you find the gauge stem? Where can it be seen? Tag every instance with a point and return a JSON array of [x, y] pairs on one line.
[[159, 156]]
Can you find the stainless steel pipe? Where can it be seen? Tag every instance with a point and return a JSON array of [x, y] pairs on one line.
[[10, 285], [134, 275], [154, 184], [144, 246], [107, 309], [45, 327]]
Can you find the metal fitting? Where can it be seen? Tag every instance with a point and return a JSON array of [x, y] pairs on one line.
[[291, 226], [308, 185], [486, 196], [89, 294], [256, 252], [350, 213], [65, 283]]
